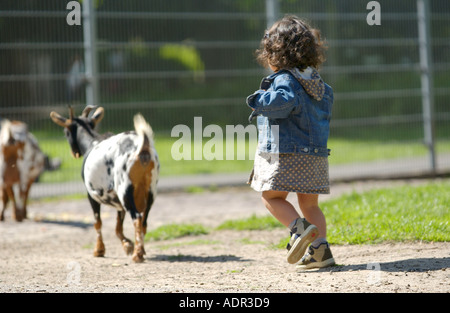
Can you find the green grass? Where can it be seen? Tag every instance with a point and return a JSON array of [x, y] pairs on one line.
[[351, 151], [172, 231], [252, 223], [70, 167], [396, 214], [342, 152]]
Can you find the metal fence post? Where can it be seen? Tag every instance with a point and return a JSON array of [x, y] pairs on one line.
[[272, 11], [90, 52], [426, 67]]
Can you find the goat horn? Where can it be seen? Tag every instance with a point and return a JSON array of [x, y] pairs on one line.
[[70, 112], [88, 110]]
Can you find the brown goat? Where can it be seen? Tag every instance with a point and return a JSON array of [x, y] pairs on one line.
[[21, 162]]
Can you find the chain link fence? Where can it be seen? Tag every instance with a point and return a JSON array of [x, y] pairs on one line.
[[173, 60]]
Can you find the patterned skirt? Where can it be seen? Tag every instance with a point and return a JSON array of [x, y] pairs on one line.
[[292, 172]]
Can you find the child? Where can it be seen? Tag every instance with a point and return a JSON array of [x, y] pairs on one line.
[[293, 107]]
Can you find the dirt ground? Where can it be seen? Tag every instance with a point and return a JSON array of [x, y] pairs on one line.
[[52, 252]]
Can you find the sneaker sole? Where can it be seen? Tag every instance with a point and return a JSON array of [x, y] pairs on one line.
[[299, 247], [326, 263]]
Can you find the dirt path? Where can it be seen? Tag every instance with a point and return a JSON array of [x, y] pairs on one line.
[[52, 252]]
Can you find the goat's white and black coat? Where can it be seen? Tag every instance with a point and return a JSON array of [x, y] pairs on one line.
[[108, 169], [118, 170]]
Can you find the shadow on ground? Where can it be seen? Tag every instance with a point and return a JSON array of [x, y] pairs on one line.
[[196, 258], [408, 265]]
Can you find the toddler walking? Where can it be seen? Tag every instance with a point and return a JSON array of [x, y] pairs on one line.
[[293, 110]]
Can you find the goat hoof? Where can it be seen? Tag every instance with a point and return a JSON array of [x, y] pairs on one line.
[[128, 247], [18, 218], [138, 258], [138, 255], [99, 250], [99, 254]]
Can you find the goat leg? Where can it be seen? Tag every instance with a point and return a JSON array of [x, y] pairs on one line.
[[129, 204], [5, 203], [127, 244], [99, 247], [16, 213], [139, 251], [24, 196]]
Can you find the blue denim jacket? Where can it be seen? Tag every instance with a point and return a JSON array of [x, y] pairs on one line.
[[291, 118]]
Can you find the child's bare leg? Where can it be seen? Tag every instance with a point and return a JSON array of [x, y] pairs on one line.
[[319, 254], [309, 205], [281, 209]]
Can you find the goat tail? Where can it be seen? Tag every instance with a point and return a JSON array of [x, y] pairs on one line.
[[145, 132]]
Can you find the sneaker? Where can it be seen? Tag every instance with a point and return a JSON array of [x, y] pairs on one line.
[[319, 257], [302, 234]]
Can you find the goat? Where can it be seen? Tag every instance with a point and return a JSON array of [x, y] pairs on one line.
[[118, 170], [21, 162]]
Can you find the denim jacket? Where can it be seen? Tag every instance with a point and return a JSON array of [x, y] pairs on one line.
[[294, 112]]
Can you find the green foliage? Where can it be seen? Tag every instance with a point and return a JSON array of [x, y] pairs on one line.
[[186, 55]]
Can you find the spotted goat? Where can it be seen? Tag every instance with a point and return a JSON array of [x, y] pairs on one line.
[[118, 170], [21, 163]]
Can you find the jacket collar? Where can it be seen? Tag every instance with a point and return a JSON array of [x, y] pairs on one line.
[[311, 81]]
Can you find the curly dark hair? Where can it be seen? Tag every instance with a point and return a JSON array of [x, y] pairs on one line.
[[291, 43]]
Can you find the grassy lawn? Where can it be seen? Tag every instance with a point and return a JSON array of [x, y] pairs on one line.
[[400, 214], [172, 231], [407, 213], [342, 151]]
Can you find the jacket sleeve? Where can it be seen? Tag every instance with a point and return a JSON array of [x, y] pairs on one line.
[[277, 102]]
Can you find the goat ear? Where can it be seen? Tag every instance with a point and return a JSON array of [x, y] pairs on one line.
[[5, 131], [59, 120], [98, 115]]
